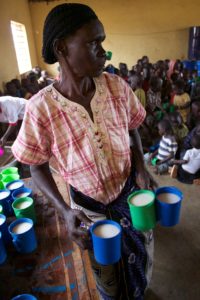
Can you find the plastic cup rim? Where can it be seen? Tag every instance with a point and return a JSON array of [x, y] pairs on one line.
[[18, 221], [100, 222], [28, 199], [141, 192]]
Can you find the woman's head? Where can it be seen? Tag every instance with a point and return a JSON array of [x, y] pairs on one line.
[[73, 35], [165, 128]]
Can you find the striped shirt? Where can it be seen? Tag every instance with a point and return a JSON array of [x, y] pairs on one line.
[[166, 147], [93, 156]]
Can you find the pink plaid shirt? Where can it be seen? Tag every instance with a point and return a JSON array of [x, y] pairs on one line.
[[94, 157]]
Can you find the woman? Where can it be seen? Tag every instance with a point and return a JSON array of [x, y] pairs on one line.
[[83, 120]]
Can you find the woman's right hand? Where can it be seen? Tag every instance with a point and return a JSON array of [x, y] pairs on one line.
[[74, 218]]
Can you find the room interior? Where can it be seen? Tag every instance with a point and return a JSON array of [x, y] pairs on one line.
[[159, 29]]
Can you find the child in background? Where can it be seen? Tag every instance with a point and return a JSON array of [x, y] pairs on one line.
[[135, 82], [181, 99], [194, 116], [153, 103], [167, 147], [189, 167], [179, 128], [11, 111]]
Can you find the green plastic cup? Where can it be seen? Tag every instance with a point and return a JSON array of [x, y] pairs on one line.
[[8, 178], [24, 208], [11, 170], [1, 185], [142, 210], [1, 209], [154, 161], [108, 55]]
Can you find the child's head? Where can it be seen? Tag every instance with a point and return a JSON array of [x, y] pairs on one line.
[[179, 86], [155, 84], [150, 121], [176, 119], [145, 59], [195, 107], [165, 128], [195, 140], [135, 81]]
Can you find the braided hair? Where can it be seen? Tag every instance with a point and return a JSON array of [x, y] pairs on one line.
[[62, 21]]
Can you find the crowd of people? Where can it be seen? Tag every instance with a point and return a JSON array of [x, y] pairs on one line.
[[170, 134]]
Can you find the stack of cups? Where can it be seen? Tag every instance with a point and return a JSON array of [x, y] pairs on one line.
[[15, 199]]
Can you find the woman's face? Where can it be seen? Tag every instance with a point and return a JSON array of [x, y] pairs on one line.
[[84, 53]]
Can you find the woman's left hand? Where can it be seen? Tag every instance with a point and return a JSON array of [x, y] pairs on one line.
[[145, 180]]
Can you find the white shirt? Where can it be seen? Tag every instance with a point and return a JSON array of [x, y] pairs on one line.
[[193, 157], [11, 109]]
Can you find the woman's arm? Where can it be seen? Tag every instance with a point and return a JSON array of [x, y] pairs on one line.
[[143, 177], [43, 179]]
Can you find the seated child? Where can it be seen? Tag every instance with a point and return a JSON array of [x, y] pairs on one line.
[[189, 166], [179, 128], [149, 134], [181, 99], [167, 147], [135, 82], [11, 111], [153, 104], [194, 116]]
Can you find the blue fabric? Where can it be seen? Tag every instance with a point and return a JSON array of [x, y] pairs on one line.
[[134, 256]]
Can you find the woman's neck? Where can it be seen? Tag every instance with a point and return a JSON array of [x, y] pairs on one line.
[[74, 88]]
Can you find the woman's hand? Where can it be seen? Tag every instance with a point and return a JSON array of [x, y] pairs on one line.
[[74, 219], [145, 180]]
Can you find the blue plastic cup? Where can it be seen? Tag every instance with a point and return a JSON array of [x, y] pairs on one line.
[[168, 205], [106, 239], [3, 254], [6, 202], [4, 230], [15, 185], [24, 297], [22, 193], [23, 235]]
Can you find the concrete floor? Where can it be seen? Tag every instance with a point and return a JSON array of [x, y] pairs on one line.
[[176, 274]]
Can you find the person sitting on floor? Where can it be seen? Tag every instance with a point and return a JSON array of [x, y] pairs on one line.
[[167, 147], [179, 128], [153, 104], [181, 99], [189, 167], [135, 82]]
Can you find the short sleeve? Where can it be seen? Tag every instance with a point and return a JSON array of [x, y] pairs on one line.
[[136, 111], [32, 145], [186, 155]]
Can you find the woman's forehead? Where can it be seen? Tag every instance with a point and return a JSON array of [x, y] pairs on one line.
[[91, 30]]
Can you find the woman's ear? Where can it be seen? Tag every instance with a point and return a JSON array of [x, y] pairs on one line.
[[59, 47]]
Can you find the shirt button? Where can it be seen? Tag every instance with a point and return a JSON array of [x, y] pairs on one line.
[[83, 116]]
